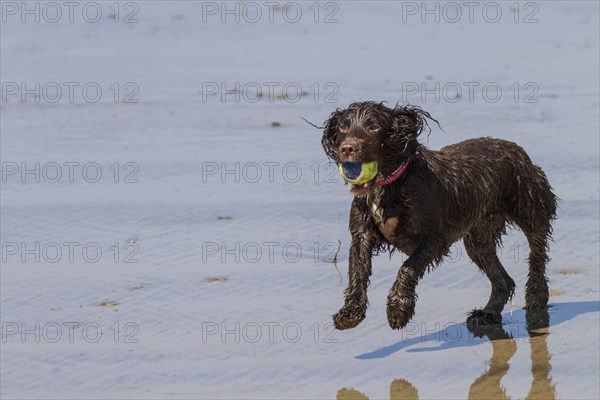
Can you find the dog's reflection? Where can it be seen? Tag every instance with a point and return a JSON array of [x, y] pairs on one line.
[[399, 389], [488, 385]]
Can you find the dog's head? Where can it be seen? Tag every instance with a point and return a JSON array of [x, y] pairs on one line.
[[369, 131]]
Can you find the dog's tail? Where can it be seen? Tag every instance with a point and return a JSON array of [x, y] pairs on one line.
[[536, 203]]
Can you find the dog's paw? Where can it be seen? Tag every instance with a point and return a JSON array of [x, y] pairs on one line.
[[482, 318], [349, 317], [400, 309]]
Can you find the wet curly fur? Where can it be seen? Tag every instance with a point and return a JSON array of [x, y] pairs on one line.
[[471, 190]]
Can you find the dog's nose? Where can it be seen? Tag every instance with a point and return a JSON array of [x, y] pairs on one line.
[[347, 149]]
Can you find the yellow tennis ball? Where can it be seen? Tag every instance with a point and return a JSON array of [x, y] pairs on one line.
[[356, 173]]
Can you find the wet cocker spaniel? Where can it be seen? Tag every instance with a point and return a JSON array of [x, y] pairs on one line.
[[421, 201]]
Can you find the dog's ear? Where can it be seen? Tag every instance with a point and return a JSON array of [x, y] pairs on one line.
[[330, 134], [409, 121]]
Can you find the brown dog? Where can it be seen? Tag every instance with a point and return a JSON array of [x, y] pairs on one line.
[[422, 201]]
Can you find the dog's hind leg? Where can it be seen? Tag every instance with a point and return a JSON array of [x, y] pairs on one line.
[[533, 213], [536, 290], [481, 247]]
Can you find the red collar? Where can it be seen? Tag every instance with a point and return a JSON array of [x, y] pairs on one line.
[[395, 175]]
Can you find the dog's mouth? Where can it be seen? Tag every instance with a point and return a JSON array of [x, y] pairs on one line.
[[359, 175], [364, 188]]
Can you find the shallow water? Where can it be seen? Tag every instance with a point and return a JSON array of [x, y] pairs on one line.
[[210, 233]]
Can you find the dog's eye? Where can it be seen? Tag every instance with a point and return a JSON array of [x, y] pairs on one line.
[[374, 128], [343, 128]]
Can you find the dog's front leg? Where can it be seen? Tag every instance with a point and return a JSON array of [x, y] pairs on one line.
[[363, 232], [402, 297]]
